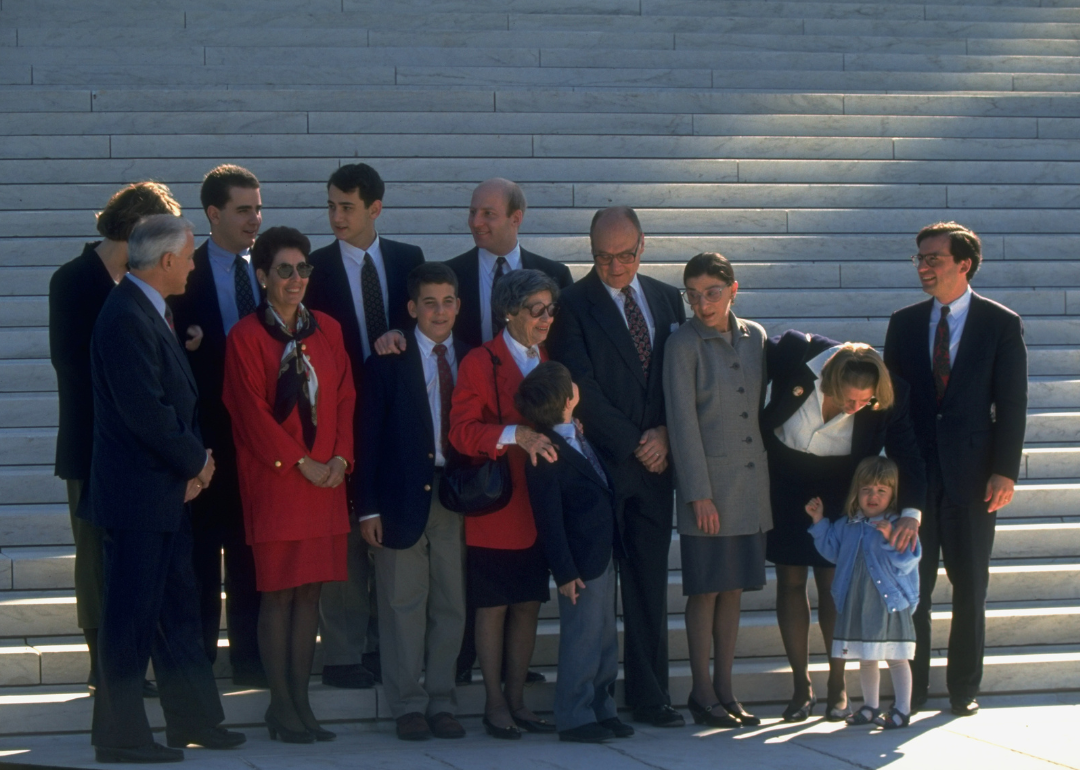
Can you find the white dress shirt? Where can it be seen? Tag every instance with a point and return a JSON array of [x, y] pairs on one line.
[[958, 311], [569, 432], [223, 270], [353, 260], [807, 431], [487, 275], [639, 297], [526, 360]]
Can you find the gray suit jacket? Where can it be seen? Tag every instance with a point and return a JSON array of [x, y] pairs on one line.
[[714, 392]]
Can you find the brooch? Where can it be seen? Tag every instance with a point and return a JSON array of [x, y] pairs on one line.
[[797, 391]]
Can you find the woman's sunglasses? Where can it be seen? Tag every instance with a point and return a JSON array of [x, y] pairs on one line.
[[285, 270]]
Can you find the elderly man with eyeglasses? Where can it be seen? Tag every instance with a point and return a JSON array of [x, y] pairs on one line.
[[610, 334]]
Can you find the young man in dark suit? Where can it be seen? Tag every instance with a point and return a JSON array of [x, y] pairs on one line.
[[149, 460], [610, 334], [77, 292], [359, 281], [418, 544], [966, 362], [221, 290], [574, 508]]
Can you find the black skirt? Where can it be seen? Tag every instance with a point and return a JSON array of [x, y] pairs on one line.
[[496, 577], [794, 479]]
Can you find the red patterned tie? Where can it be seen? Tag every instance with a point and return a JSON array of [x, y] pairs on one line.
[[639, 331], [446, 389], [169, 320], [942, 367]]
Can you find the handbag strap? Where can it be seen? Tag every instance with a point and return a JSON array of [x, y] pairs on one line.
[[495, 363]]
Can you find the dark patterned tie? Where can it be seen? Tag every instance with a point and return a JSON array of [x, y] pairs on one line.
[[497, 323], [245, 299], [639, 331], [942, 367], [169, 321], [374, 310], [446, 389], [590, 454]]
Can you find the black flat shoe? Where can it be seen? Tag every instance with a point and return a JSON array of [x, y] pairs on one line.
[[618, 728], [208, 738], [511, 733], [659, 716], [964, 708], [713, 716], [738, 712], [533, 725], [837, 714], [587, 733], [277, 732], [799, 710]]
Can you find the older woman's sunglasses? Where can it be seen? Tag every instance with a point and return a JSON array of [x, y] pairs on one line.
[[540, 308], [285, 270]]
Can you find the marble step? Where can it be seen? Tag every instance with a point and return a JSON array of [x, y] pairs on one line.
[[35, 525], [1042, 391]]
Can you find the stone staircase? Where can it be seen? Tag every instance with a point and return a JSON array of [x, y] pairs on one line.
[[807, 141]]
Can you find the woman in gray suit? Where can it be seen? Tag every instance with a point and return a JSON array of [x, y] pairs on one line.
[[714, 384]]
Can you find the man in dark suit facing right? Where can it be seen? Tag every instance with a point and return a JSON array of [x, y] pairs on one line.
[[965, 360], [610, 334], [149, 461]]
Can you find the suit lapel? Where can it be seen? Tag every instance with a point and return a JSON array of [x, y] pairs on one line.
[[969, 344], [507, 376], [418, 397], [575, 458], [469, 290], [610, 320], [791, 396], [162, 328], [205, 295], [344, 307], [662, 320]]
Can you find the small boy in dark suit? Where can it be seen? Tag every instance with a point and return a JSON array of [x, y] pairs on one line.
[[574, 508]]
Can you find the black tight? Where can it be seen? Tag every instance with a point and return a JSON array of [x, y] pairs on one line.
[[793, 615], [288, 622], [507, 632]]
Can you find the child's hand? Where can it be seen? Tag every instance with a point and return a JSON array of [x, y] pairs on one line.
[[570, 590], [885, 528], [816, 509]]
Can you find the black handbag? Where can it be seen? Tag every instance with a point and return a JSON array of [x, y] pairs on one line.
[[474, 487]]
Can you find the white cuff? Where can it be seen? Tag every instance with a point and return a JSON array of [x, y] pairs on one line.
[[369, 516], [911, 513], [508, 437]]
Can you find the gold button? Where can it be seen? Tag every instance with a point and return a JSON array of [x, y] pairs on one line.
[[427, 487], [430, 456], [277, 463]]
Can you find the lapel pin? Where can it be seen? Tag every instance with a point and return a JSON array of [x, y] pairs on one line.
[[797, 391]]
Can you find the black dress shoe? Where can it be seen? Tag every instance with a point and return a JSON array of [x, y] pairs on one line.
[[207, 737], [533, 725], [918, 702], [511, 733], [151, 753], [738, 712], [352, 677], [149, 689], [587, 733], [659, 716], [618, 727], [715, 715], [964, 708]]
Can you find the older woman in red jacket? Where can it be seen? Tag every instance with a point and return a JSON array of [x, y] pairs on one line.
[[506, 573], [289, 390]]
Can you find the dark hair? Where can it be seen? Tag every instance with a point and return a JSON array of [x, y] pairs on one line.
[[130, 204], [542, 396], [218, 183], [427, 273], [709, 263], [963, 243], [274, 240], [625, 212], [361, 177]]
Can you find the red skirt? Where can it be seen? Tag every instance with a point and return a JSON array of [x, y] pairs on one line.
[[281, 564]]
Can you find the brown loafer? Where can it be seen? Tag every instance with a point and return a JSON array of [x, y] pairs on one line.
[[413, 727], [443, 725]]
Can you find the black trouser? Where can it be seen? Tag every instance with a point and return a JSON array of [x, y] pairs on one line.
[[150, 610], [643, 579], [964, 537], [217, 524]]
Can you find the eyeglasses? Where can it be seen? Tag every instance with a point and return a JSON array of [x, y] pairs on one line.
[[540, 308], [285, 270], [930, 260], [712, 294], [625, 258]]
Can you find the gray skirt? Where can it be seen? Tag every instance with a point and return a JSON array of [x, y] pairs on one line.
[[865, 628], [714, 564]]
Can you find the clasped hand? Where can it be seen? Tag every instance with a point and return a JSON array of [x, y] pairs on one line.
[[202, 481], [329, 474], [652, 450]]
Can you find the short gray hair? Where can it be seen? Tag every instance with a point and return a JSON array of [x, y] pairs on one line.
[[154, 237], [515, 287]]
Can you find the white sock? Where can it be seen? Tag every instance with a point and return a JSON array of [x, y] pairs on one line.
[[871, 681], [900, 672]]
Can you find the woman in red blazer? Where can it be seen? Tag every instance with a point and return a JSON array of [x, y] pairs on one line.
[[289, 390], [507, 577]]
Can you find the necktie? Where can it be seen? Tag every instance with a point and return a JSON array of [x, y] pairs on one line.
[[639, 331], [942, 367], [590, 455], [169, 321], [446, 389], [245, 299], [374, 310], [497, 324]]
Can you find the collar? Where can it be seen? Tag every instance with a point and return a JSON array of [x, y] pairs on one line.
[[817, 363], [427, 345], [517, 350], [887, 516], [616, 294], [224, 258], [567, 431], [357, 255], [151, 293], [958, 306], [735, 326], [488, 260]]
